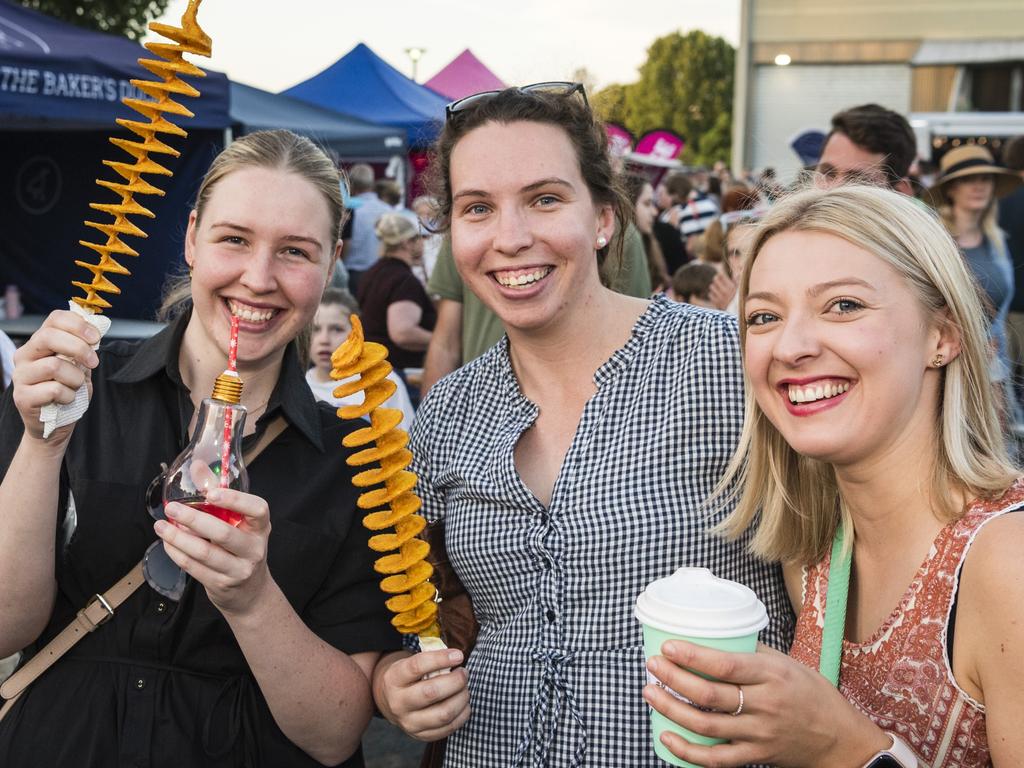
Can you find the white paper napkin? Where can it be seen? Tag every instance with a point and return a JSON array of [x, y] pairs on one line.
[[57, 415]]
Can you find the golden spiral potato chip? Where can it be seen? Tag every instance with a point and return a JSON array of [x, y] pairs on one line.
[[391, 486]]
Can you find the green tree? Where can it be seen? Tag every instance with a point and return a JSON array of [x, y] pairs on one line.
[[119, 17], [610, 103], [686, 86]]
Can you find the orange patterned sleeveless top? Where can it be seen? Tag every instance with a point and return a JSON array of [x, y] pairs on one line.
[[901, 677]]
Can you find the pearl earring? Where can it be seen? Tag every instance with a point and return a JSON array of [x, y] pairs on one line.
[[602, 241]]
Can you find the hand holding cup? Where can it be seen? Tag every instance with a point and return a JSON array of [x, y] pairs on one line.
[[718, 698], [694, 605]]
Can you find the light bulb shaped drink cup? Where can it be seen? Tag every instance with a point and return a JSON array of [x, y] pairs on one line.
[[694, 605], [212, 459]]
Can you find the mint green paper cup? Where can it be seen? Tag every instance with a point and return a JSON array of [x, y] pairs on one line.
[[693, 604]]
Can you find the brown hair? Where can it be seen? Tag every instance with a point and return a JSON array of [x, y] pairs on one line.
[[633, 185], [693, 279], [585, 132], [340, 297], [739, 197], [881, 131], [678, 186]]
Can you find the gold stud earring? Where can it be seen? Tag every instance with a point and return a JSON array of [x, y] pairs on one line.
[[938, 361]]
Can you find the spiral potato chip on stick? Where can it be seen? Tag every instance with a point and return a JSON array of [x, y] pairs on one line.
[[189, 38], [406, 570]]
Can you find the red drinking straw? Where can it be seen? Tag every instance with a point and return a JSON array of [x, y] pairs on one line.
[[225, 450]]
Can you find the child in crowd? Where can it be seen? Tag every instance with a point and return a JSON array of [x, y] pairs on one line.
[[738, 237], [330, 327], [691, 283]]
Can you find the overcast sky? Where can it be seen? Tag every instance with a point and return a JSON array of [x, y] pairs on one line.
[[274, 45]]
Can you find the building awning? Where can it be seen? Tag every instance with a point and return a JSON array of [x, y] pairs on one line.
[[937, 52]]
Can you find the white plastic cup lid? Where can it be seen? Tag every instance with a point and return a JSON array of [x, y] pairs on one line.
[[693, 602]]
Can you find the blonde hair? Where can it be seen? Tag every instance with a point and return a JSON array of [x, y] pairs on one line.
[[393, 231], [281, 150], [989, 223], [285, 151], [731, 233], [792, 500]]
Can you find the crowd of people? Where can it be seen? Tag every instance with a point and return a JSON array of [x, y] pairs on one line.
[[605, 379]]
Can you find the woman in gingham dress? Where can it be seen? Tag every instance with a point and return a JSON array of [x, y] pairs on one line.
[[570, 462]]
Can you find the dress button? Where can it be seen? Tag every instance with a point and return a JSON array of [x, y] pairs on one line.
[[140, 683], [551, 616], [161, 607]]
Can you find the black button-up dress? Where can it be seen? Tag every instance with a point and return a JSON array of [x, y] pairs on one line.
[[164, 684]]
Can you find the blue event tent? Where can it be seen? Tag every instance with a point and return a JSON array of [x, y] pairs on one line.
[[361, 83], [353, 139], [60, 91]]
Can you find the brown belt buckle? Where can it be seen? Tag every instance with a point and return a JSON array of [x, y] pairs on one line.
[[106, 606]]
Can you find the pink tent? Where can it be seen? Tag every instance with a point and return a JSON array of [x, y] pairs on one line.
[[465, 75]]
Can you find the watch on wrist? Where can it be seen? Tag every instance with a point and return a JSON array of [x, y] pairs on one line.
[[899, 755]]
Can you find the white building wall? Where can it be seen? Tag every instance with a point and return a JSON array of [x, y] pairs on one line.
[[789, 100]]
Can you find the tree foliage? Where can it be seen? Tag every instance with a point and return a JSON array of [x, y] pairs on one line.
[[610, 103], [119, 17], [685, 86]]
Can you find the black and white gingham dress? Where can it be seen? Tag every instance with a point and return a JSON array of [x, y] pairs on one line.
[[557, 673]]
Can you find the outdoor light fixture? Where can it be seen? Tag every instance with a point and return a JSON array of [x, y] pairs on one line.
[[415, 53], [783, 60]]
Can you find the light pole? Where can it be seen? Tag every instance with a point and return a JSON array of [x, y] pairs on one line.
[[415, 53]]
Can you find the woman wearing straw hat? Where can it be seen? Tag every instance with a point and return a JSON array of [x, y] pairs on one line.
[[965, 192]]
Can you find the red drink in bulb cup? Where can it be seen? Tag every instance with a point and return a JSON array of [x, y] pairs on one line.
[[229, 516], [201, 467]]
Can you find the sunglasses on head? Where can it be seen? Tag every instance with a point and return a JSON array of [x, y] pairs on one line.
[[162, 573], [558, 87]]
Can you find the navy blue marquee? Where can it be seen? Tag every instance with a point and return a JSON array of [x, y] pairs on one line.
[[60, 91]]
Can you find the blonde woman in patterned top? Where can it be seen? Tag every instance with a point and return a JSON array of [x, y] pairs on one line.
[[869, 403]]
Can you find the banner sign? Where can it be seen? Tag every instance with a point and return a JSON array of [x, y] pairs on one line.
[[66, 85], [662, 145], [620, 141]]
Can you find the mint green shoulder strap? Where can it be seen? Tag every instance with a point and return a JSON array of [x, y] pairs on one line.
[[835, 608]]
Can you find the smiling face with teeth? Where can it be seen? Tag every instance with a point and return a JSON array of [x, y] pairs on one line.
[[262, 251], [523, 224], [838, 350]]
